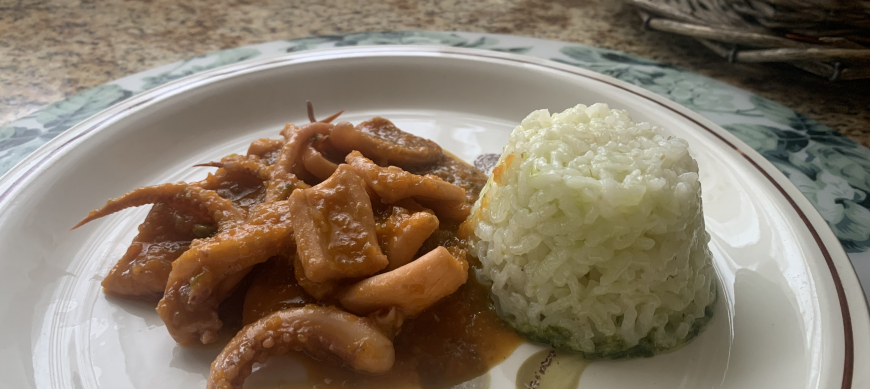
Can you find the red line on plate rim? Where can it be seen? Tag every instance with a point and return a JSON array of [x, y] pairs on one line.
[[848, 368]]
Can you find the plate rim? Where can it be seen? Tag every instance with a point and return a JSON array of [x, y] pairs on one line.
[[836, 259]]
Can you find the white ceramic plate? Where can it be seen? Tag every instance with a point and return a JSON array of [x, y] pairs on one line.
[[792, 314]]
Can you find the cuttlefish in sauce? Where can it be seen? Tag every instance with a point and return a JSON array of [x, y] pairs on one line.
[[324, 332], [335, 228], [393, 184], [274, 288], [402, 229], [167, 232], [411, 288], [144, 268], [380, 140], [363, 266], [205, 274]]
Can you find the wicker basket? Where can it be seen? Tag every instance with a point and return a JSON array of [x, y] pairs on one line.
[[830, 38]]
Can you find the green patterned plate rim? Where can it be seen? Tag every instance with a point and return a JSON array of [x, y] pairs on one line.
[[832, 171]]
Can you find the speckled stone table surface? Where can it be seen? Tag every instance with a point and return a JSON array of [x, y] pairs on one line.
[[50, 50]]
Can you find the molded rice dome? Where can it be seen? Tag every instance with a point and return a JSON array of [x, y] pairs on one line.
[[591, 231]]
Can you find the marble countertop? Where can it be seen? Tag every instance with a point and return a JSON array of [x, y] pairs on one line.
[[50, 50]]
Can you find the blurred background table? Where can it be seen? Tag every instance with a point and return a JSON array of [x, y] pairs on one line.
[[50, 50]]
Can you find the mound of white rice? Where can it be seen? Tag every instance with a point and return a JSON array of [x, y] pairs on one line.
[[591, 232]]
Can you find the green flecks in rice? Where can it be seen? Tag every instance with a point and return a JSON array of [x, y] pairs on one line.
[[592, 235]]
